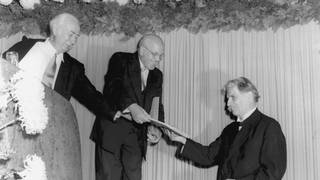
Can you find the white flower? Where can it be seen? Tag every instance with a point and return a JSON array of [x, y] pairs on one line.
[[5, 151], [5, 2], [4, 97], [29, 4], [139, 1], [3, 85], [122, 2], [29, 94], [35, 168], [60, 1]]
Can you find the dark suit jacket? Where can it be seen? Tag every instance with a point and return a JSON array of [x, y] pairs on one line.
[[71, 81], [256, 152], [122, 88]]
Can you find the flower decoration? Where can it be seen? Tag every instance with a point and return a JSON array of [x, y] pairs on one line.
[[60, 1], [35, 168], [5, 149], [4, 97], [120, 2], [166, 15], [28, 92], [139, 1], [29, 4], [5, 2], [2, 82]]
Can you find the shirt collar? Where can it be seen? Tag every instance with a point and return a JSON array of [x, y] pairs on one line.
[[50, 46], [142, 66], [246, 115], [53, 50]]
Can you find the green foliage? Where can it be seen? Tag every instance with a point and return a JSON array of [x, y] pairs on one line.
[[161, 16]]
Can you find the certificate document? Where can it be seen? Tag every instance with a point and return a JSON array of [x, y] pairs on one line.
[[169, 127]]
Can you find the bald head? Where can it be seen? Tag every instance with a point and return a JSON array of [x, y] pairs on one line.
[[65, 29], [151, 50], [63, 20], [150, 40]]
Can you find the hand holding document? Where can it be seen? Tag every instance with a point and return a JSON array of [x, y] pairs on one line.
[[154, 113], [168, 127]]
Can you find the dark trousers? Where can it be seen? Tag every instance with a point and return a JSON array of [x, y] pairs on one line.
[[127, 166]]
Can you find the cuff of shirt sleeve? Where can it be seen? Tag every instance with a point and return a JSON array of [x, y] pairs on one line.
[[126, 111], [181, 149], [117, 115]]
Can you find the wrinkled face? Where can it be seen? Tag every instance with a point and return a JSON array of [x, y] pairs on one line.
[[67, 37], [239, 103], [151, 55]]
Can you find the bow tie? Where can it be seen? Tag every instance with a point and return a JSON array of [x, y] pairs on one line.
[[240, 123]]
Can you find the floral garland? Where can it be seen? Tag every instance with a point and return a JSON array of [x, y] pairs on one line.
[[141, 16], [34, 169], [27, 93]]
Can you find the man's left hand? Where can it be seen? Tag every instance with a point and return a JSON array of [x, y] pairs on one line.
[[154, 134]]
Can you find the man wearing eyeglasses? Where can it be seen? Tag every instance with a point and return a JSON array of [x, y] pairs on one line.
[[131, 83], [48, 60]]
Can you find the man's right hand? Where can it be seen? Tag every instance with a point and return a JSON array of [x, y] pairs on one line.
[[138, 114], [175, 137]]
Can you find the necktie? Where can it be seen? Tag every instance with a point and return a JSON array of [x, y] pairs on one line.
[[48, 77], [240, 124], [144, 76]]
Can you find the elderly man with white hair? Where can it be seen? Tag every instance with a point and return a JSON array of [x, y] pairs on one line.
[[49, 61], [131, 83], [251, 148]]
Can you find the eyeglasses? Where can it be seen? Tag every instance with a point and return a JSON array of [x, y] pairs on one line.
[[155, 54], [74, 35]]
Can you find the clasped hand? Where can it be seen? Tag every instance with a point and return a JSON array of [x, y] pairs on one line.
[[175, 137], [139, 115], [154, 134]]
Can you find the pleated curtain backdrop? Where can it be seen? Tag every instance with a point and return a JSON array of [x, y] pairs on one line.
[[284, 65]]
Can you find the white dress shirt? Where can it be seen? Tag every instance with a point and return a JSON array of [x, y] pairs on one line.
[[144, 75], [58, 59]]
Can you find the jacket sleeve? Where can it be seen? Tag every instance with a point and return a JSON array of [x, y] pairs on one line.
[[200, 154], [159, 94], [161, 111], [273, 157], [87, 95], [128, 96]]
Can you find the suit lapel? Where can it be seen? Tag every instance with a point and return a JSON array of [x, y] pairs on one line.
[[134, 74], [248, 127], [150, 80]]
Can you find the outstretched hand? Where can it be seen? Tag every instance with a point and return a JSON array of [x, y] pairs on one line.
[[154, 134], [175, 137], [127, 116]]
